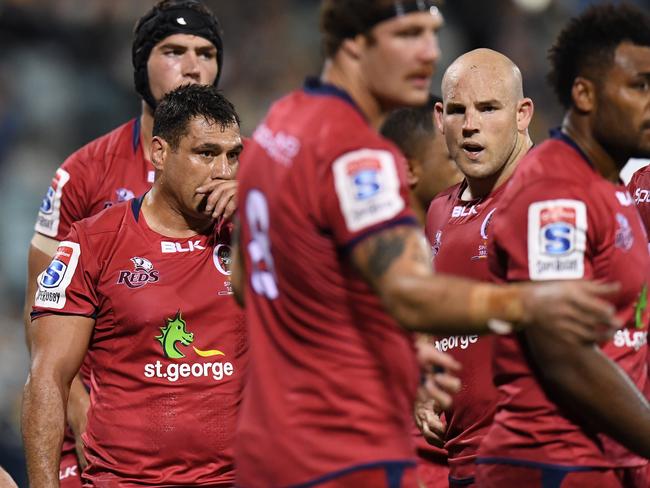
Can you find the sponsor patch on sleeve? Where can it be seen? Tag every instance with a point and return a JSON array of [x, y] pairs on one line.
[[367, 186], [557, 239], [53, 282], [49, 213]]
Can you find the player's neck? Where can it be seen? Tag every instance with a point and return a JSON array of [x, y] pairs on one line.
[[577, 128], [347, 79], [165, 216], [146, 130], [482, 187]]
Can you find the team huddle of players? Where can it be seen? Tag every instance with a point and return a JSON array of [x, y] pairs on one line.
[[311, 343]]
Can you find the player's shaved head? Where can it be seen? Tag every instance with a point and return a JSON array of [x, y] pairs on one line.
[[485, 66]]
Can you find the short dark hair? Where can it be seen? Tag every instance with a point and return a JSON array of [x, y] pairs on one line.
[[178, 107], [408, 127], [344, 19], [587, 44]]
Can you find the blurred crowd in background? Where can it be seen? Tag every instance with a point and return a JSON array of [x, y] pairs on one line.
[[66, 78]]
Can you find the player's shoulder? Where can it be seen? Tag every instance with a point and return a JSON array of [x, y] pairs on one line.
[[447, 195], [640, 178], [123, 140], [108, 223]]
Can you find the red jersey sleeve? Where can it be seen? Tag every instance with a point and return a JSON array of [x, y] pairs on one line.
[[542, 233], [66, 200], [67, 286], [365, 190]]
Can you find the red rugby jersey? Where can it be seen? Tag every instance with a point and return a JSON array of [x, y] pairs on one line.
[[108, 170], [458, 233], [168, 348], [333, 376], [559, 219]]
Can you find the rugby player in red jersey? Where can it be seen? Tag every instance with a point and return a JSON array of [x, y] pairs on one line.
[[145, 287], [430, 170], [333, 261], [570, 413], [484, 117], [176, 42]]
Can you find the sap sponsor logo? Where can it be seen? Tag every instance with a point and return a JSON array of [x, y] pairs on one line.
[[633, 339], [280, 147], [624, 237], [624, 198], [454, 342], [641, 195], [174, 335], [463, 211], [53, 282], [49, 213], [221, 256], [557, 236], [143, 273], [367, 186], [189, 246]]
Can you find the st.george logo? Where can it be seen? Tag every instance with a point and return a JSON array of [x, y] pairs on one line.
[[558, 226], [143, 273]]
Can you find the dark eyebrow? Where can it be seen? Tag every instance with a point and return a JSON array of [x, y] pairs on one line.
[[208, 146], [453, 106]]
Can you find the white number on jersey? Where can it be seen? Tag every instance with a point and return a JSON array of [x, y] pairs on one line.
[[259, 248]]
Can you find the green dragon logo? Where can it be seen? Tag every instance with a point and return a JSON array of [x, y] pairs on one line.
[[641, 306], [173, 333]]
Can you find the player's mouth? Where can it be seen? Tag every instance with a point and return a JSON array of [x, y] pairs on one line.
[[473, 150], [421, 79]]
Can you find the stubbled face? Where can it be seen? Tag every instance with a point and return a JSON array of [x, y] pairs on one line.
[[621, 121], [437, 172], [479, 119], [181, 59], [399, 58], [207, 152]]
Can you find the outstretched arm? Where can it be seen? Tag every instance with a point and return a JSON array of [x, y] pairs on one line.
[[593, 388], [59, 343], [397, 264]]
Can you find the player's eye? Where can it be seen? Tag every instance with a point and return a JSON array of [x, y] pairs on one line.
[[454, 110], [410, 32], [209, 55], [642, 85]]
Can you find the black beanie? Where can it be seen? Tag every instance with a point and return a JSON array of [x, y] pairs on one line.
[[173, 18]]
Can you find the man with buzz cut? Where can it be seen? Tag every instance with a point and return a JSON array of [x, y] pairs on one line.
[[144, 287]]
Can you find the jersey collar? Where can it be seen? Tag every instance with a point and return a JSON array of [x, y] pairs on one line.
[[314, 86], [561, 136]]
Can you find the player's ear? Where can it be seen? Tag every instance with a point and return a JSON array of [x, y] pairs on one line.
[[413, 171], [525, 110], [438, 111], [353, 46], [583, 94], [159, 149]]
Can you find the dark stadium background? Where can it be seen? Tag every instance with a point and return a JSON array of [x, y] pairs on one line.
[[65, 78]]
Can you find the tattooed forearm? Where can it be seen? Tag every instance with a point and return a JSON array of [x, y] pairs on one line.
[[385, 250]]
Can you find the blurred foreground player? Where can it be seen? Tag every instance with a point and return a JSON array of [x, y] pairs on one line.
[[430, 170], [484, 118], [177, 42], [333, 260], [145, 287], [565, 215]]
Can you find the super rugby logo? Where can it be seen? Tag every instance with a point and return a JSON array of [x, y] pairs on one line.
[[557, 237], [143, 273], [50, 209], [53, 282]]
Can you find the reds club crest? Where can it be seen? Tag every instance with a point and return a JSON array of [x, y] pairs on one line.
[[143, 273]]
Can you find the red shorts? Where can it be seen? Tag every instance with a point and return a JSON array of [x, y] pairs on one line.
[[433, 474], [69, 472], [390, 474], [549, 476]]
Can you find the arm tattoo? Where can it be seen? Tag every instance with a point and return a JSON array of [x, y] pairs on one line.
[[386, 249]]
